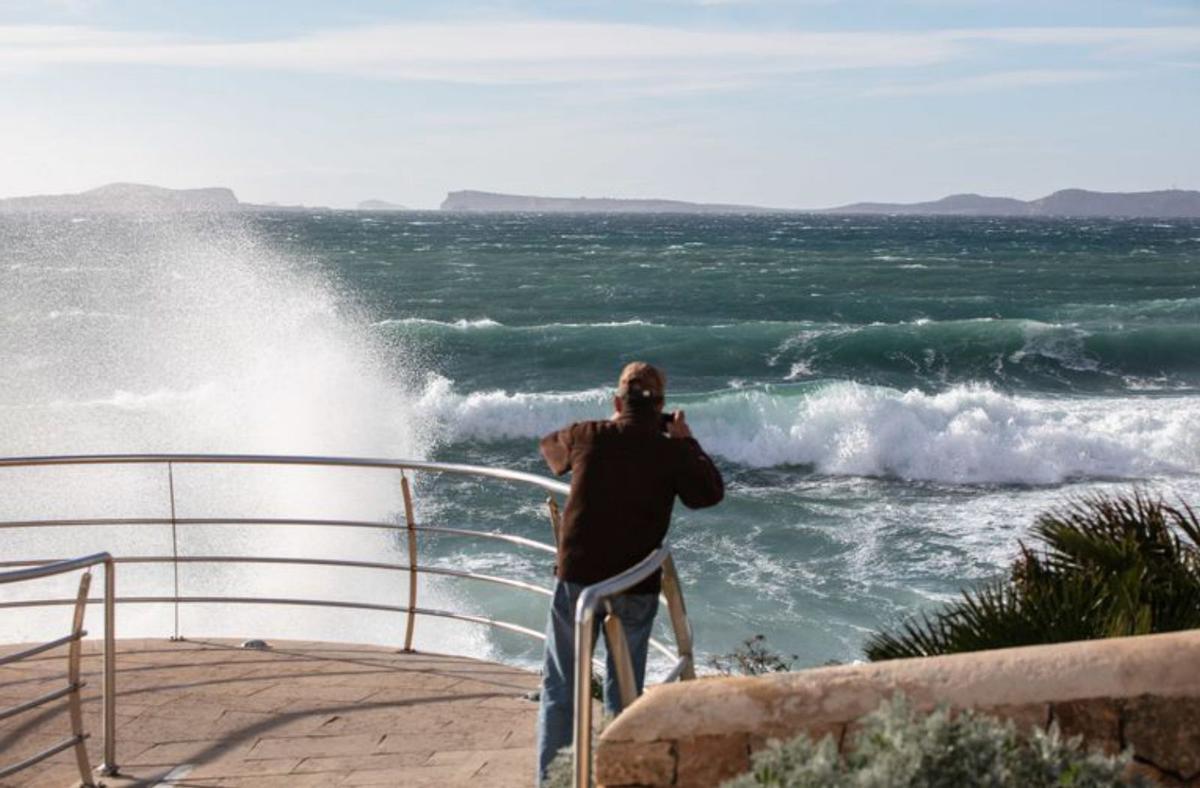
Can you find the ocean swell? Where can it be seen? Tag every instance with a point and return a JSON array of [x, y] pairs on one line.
[[1013, 354], [1022, 354]]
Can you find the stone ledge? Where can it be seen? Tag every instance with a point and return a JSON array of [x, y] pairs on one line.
[[1138, 692]]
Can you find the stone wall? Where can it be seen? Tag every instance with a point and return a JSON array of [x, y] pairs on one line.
[[1139, 692]]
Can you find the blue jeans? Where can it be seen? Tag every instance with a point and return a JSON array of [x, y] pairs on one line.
[[556, 717]]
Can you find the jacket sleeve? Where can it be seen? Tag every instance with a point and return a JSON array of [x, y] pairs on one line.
[[556, 448], [699, 483]]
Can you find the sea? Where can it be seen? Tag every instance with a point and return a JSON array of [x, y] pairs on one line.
[[892, 402]]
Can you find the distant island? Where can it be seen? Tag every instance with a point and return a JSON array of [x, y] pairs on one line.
[[380, 205], [491, 202], [1168, 204], [126, 198], [1068, 203], [141, 199]]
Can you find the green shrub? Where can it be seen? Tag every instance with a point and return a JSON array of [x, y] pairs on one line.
[[1106, 567], [897, 747], [561, 772]]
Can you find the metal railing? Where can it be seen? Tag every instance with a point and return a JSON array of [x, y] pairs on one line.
[[590, 600], [411, 529], [75, 683]]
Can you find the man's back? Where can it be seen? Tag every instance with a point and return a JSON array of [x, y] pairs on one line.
[[626, 474]]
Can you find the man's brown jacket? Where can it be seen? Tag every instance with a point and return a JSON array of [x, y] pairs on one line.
[[625, 476]]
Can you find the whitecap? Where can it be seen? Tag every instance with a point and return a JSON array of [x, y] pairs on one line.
[[461, 323], [969, 434]]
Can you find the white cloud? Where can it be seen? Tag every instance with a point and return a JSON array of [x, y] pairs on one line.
[[504, 52], [1155, 40], [541, 52], [999, 80]]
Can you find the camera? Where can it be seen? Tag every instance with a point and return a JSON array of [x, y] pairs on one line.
[[664, 421]]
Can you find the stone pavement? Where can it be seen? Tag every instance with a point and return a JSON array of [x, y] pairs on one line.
[[208, 713]]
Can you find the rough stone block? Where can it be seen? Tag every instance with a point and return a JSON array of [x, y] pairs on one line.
[[1156, 776], [704, 761], [1165, 731], [1097, 720], [1026, 716], [635, 763]]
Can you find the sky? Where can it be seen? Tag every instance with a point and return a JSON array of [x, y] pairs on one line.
[[800, 104]]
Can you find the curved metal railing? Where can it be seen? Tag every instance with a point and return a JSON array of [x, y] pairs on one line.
[[411, 531], [79, 737], [590, 600]]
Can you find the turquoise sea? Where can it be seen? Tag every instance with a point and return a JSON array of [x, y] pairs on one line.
[[892, 400]]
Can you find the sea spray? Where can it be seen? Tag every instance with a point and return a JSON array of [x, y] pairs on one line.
[[127, 335]]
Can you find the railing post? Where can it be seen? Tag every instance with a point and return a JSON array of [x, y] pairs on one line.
[[555, 517], [614, 634], [680, 623], [411, 522], [74, 653], [108, 766], [174, 545], [584, 619]]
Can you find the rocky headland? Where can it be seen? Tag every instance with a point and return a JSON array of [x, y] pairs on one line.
[[1067, 203]]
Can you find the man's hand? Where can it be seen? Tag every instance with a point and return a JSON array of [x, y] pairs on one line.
[[677, 427]]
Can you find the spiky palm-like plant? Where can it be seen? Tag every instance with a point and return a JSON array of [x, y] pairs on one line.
[[1107, 566]]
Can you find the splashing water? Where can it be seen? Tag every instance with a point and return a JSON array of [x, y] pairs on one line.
[[126, 335]]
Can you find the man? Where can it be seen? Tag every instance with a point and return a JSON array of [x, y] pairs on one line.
[[626, 472]]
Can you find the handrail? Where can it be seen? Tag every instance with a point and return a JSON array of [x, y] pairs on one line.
[[585, 616], [261, 559], [276, 521], [74, 683], [503, 474], [593, 595]]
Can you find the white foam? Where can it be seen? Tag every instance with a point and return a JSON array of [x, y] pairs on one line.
[[462, 324], [968, 434], [1063, 344], [606, 324], [800, 370], [501, 415]]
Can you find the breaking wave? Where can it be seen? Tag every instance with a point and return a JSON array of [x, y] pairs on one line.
[[969, 434]]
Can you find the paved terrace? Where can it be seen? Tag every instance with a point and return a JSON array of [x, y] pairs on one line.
[[208, 713]]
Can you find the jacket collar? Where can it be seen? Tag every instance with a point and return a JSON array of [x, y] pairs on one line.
[[639, 418]]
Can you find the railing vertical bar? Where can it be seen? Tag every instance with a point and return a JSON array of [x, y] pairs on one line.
[[555, 517], [174, 544], [74, 707], [680, 623], [618, 646], [411, 522], [584, 645], [109, 765]]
